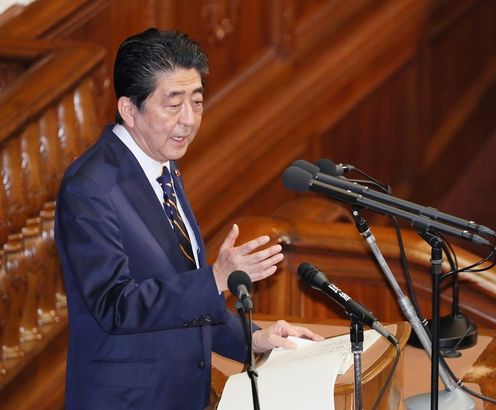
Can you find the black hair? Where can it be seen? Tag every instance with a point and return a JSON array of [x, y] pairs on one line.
[[143, 56]]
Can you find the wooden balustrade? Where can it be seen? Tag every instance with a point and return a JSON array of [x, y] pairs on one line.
[[48, 119], [15, 270], [35, 276]]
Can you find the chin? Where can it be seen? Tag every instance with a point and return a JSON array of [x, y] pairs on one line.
[[177, 155]]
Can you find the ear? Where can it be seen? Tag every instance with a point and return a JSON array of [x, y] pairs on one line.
[[127, 110]]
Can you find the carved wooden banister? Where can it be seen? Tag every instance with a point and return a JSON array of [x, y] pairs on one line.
[[48, 118], [55, 70], [46, 18]]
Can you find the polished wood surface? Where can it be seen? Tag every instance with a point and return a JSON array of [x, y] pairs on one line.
[[411, 83], [376, 364], [48, 118], [482, 371], [475, 367]]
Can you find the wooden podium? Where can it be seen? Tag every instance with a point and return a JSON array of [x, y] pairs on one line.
[[376, 364]]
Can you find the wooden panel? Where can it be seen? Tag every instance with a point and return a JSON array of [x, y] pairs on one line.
[[362, 75], [427, 121], [351, 81], [382, 126], [282, 112], [458, 50], [225, 30]]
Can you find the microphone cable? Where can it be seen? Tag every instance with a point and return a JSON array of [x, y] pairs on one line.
[[389, 378]]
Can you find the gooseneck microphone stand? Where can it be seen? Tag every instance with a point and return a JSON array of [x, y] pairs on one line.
[[356, 338], [453, 397], [251, 369]]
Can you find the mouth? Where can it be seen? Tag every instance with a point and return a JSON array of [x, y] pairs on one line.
[[179, 139]]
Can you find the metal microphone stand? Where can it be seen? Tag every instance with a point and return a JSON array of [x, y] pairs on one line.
[[250, 364], [453, 397], [436, 244], [356, 338]]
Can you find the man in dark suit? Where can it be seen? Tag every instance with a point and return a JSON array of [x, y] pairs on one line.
[[145, 309]]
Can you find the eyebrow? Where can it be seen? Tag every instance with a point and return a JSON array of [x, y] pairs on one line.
[[174, 93]]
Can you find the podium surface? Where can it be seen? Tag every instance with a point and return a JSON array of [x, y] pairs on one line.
[[376, 363], [476, 366]]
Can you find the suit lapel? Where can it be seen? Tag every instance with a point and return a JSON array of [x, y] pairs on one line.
[[138, 191]]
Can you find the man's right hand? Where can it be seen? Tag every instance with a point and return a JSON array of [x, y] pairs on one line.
[[257, 264]]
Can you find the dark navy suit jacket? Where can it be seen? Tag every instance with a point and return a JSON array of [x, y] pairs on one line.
[[141, 325]]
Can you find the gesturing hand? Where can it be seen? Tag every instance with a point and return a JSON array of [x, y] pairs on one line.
[[257, 264]]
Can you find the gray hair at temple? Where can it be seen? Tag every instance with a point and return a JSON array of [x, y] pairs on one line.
[[143, 56]]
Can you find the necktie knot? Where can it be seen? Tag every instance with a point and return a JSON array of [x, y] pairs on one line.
[[170, 202], [165, 181]]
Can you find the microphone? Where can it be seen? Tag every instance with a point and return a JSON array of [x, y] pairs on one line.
[[330, 168], [299, 180], [239, 283], [326, 166], [318, 280]]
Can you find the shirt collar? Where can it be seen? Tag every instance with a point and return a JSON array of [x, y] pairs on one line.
[[151, 167]]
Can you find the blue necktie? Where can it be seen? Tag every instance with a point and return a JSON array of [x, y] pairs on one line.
[[172, 212]]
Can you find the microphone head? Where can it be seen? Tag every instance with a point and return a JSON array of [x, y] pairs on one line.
[[236, 278], [296, 179], [312, 275], [307, 166], [328, 167]]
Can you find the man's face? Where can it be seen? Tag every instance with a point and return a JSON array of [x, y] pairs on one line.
[[170, 117]]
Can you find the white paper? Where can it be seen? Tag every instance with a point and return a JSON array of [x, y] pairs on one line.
[[342, 343], [307, 384], [295, 379]]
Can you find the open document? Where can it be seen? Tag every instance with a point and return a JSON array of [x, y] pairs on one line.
[[296, 379]]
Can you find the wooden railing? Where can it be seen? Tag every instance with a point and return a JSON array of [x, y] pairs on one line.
[[48, 117]]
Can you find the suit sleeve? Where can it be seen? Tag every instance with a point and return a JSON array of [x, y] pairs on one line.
[[96, 270], [228, 338]]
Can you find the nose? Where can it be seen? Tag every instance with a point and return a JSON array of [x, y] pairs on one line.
[[187, 116]]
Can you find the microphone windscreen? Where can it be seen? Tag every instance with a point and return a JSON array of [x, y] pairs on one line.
[[307, 166], [236, 278], [296, 179], [311, 275], [326, 166]]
